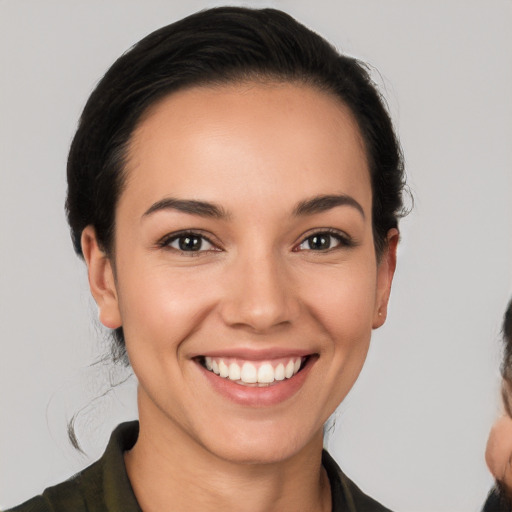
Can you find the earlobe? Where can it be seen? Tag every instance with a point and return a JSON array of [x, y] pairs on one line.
[[385, 273], [101, 279]]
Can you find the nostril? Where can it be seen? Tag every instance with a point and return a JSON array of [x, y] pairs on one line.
[[260, 295]]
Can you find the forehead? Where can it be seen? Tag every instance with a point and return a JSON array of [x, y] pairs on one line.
[[278, 138]]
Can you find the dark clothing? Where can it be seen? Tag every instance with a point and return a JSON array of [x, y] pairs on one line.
[[497, 502], [104, 486]]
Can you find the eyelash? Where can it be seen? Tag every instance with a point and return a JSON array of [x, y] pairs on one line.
[[165, 243], [343, 241]]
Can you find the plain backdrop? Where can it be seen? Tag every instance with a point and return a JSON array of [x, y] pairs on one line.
[[412, 432]]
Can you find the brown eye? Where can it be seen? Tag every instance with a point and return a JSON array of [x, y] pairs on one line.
[[323, 241], [190, 242], [319, 242]]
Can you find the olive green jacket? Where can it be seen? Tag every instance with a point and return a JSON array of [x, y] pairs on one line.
[[104, 486]]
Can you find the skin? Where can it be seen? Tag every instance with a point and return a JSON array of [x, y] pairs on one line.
[[498, 453], [255, 150]]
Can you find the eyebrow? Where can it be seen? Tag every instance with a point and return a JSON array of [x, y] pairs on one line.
[[201, 208], [310, 206], [322, 203]]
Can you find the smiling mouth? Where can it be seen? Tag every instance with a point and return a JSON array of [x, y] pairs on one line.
[[254, 373]]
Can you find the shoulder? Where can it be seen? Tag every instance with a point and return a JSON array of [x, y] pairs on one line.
[[346, 495], [69, 495], [37, 504], [102, 486], [363, 502]]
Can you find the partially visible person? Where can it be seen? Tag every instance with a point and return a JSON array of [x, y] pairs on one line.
[[498, 454]]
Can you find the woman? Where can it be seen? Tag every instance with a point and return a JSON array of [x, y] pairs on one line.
[[499, 446], [234, 188]]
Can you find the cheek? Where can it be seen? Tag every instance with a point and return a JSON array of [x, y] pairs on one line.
[[343, 305], [343, 300], [160, 308]]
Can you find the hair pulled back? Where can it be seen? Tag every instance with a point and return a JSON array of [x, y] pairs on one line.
[[219, 46]]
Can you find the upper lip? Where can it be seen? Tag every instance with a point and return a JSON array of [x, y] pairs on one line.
[[255, 354]]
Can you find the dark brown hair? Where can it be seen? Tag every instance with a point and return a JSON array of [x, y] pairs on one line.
[[506, 366]]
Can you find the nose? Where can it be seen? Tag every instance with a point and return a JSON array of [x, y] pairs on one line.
[[259, 294]]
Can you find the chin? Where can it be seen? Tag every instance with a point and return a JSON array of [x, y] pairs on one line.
[[261, 444]]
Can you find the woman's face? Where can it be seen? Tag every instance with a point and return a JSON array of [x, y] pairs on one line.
[[243, 249]]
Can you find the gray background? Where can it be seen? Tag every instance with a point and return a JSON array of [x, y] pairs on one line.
[[412, 433]]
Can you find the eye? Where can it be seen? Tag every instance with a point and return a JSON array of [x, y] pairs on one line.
[[188, 242], [323, 241]]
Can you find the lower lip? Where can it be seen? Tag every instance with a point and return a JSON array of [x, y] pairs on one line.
[[259, 396]]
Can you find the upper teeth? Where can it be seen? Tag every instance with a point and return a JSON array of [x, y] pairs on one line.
[[264, 372]]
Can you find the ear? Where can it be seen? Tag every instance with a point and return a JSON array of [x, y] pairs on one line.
[[385, 273], [101, 279]]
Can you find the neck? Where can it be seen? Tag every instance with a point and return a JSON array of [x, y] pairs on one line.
[[167, 467]]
